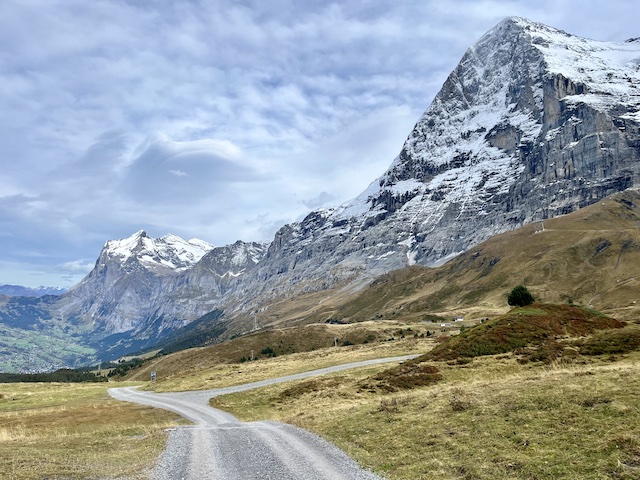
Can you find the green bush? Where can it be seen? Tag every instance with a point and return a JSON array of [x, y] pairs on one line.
[[269, 352], [520, 296]]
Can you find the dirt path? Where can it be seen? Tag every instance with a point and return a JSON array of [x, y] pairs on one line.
[[220, 447]]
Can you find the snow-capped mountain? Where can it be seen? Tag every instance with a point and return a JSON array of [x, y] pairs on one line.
[[532, 123], [166, 282], [169, 252]]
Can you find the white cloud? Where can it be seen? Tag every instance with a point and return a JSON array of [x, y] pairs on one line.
[[322, 200], [82, 266], [219, 120]]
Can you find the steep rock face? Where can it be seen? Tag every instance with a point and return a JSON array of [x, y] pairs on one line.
[[532, 123], [140, 282], [202, 288]]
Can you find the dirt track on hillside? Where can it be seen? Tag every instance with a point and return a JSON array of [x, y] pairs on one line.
[[220, 447]]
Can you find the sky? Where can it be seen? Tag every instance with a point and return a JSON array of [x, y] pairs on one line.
[[214, 119]]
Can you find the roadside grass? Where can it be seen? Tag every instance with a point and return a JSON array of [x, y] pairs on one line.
[[216, 375], [490, 418], [76, 431]]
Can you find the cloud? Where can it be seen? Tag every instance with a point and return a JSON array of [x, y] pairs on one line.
[[82, 266], [323, 199], [219, 120], [169, 172]]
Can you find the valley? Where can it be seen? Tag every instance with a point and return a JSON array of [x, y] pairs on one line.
[[523, 171], [532, 126], [491, 416]]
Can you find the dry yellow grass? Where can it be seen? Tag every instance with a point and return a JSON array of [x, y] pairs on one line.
[[492, 418], [76, 431], [216, 375]]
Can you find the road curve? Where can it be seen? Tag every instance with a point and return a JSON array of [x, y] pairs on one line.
[[220, 447]]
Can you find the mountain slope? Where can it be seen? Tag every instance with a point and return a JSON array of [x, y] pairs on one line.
[[533, 123], [590, 257]]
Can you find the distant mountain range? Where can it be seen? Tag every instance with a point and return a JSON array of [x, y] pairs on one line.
[[533, 123], [20, 291]]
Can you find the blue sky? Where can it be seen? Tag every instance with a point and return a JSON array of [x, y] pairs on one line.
[[221, 120]]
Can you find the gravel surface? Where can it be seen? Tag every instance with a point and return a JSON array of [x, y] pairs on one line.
[[220, 447]]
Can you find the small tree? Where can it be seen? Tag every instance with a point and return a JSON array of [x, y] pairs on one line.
[[520, 296]]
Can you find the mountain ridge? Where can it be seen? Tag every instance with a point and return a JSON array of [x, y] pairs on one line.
[[22, 291], [507, 141], [533, 123]]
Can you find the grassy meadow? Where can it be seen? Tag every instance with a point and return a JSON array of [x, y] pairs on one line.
[[219, 366], [489, 418], [76, 431], [575, 415]]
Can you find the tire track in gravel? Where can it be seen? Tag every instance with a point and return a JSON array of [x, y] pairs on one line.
[[220, 447]]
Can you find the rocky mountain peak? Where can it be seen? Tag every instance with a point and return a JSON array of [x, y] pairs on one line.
[[168, 252], [235, 259], [531, 124]]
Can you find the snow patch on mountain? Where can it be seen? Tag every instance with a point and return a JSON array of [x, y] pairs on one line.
[[169, 251], [609, 72]]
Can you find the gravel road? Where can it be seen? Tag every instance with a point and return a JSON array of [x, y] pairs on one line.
[[220, 447]]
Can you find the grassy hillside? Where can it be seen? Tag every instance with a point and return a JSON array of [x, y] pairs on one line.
[[533, 330], [590, 257], [491, 416], [213, 366]]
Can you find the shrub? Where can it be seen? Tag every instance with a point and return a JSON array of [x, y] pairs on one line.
[[520, 296], [407, 375], [624, 340], [523, 329], [268, 351]]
